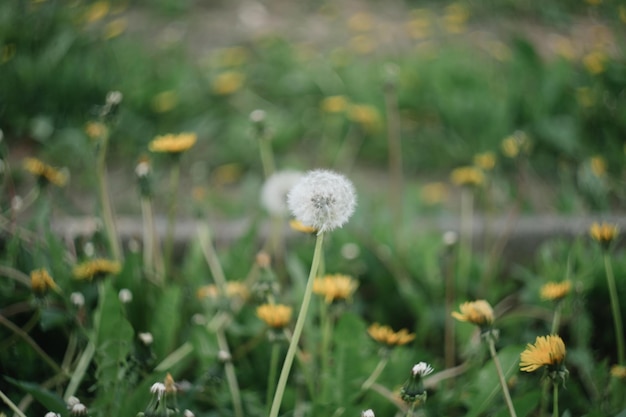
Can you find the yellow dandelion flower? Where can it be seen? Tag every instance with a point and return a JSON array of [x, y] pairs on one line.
[[173, 144], [555, 291], [361, 22], [298, 226], [598, 166], [232, 57], [547, 351], [603, 233], [386, 335], [435, 193], [564, 47], [334, 104], [97, 11], [366, 116], [516, 144], [165, 101], [96, 268], [485, 161], [41, 281], [477, 312], [227, 174], [468, 176], [420, 24], [618, 371], [170, 385], [276, 316], [362, 44], [115, 28], [594, 62], [96, 130], [234, 289], [45, 173], [228, 82], [335, 287], [455, 18]]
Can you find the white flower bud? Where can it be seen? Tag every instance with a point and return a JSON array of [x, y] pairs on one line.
[[125, 295], [188, 413], [322, 199], [158, 388], [72, 401], [51, 414], [146, 338], [114, 98], [422, 369], [367, 413], [78, 410], [78, 299], [257, 116]]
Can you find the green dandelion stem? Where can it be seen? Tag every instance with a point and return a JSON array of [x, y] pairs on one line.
[[382, 363], [505, 388], [11, 405], [556, 318], [152, 259], [617, 317], [465, 250], [171, 213], [271, 378], [231, 376], [395, 159], [105, 201], [555, 406], [293, 345], [267, 157]]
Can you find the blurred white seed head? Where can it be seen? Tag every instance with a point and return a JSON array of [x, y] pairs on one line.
[[17, 203], [188, 413], [125, 295], [158, 388], [322, 199], [350, 251], [257, 116], [450, 238], [78, 299], [72, 401], [89, 249], [51, 414], [421, 369], [114, 98], [146, 338], [368, 413], [275, 190], [78, 409], [142, 169]]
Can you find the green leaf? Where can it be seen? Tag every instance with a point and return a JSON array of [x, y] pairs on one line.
[[166, 321], [48, 399]]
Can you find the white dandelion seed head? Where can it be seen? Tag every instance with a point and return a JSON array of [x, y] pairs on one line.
[[78, 299], [275, 190], [89, 249], [257, 116], [188, 413], [72, 401], [142, 169], [422, 369], [52, 414], [125, 295], [17, 203], [322, 199], [78, 409], [146, 338], [450, 238], [158, 388], [114, 98], [368, 413]]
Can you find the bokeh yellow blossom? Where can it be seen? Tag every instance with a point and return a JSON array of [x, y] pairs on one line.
[[485, 161], [516, 144], [365, 116], [276, 316], [435, 193], [594, 62], [618, 371], [97, 11], [165, 101], [547, 351], [335, 287], [115, 28], [420, 24], [455, 17], [555, 291], [603, 233], [298, 226], [95, 268], [228, 82], [467, 176], [598, 166], [235, 56], [334, 104], [234, 289], [96, 130], [386, 335], [361, 22], [41, 281], [44, 172], [173, 144], [477, 312]]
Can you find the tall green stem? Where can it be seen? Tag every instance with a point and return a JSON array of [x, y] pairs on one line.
[[467, 232], [293, 345], [505, 388], [267, 157], [171, 214], [271, 378], [617, 316], [555, 406], [327, 331], [231, 376], [11, 405], [382, 363], [394, 145], [105, 202]]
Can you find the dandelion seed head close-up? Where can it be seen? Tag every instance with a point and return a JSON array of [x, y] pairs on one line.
[[322, 199], [275, 190]]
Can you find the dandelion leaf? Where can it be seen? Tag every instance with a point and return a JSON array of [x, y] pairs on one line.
[[48, 399], [166, 321]]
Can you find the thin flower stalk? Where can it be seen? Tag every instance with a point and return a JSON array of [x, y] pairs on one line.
[[293, 344], [503, 385], [555, 402], [271, 377], [11, 405], [382, 363], [327, 330], [105, 200], [615, 306], [467, 232], [171, 213], [152, 257], [231, 376]]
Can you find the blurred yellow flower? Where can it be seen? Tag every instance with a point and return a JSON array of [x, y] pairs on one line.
[[564, 47], [97, 11], [228, 82], [41, 281], [485, 161], [594, 62], [96, 268], [361, 22], [547, 351], [165, 101], [168, 382], [234, 289], [516, 144], [45, 173], [386, 335], [276, 316], [435, 193], [593, 2], [227, 174], [420, 24], [335, 287], [363, 44], [235, 56], [622, 13], [173, 144], [555, 291], [468, 176], [366, 116], [115, 28], [299, 227], [477, 312], [603, 233], [498, 50], [618, 371], [96, 130], [455, 17], [8, 52], [334, 104], [598, 166]]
